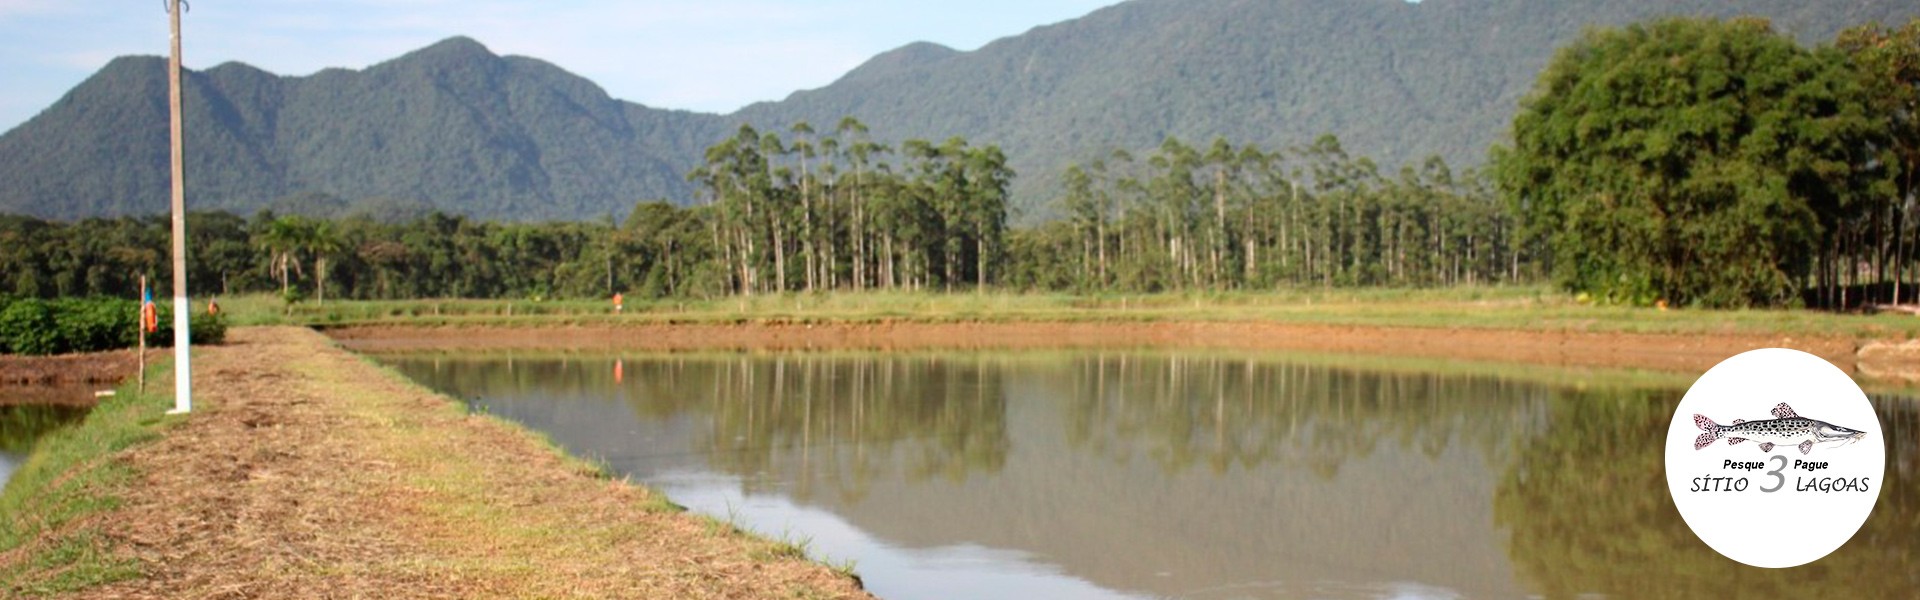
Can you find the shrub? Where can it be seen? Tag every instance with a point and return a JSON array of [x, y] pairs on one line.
[[29, 328], [95, 324], [32, 326]]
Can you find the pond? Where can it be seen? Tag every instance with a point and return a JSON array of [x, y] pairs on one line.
[[1124, 474], [21, 425]]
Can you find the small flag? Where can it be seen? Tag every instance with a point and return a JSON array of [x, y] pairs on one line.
[[149, 314]]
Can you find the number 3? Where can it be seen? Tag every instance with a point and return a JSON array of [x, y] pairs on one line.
[[1781, 479]]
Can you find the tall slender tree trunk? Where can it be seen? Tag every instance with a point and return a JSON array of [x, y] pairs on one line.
[[806, 235], [1100, 239], [779, 257], [887, 267], [980, 259], [1219, 222], [860, 257], [1899, 250]]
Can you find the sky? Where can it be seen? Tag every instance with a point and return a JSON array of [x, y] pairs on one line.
[[705, 55]]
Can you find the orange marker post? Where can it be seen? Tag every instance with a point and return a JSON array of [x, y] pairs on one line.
[[140, 333]]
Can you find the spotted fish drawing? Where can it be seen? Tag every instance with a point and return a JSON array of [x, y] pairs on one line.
[[1784, 428]]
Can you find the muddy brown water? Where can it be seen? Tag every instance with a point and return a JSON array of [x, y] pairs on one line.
[[1172, 473]]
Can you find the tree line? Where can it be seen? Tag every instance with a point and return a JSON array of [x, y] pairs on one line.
[[437, 255], [1242, 217], [817, 212], [809, 212], [840, 212]]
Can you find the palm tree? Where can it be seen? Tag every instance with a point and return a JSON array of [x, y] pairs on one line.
[[281, 239], [321, 241]]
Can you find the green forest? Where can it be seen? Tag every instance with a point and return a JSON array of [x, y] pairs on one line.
[[1692, 162], [808, 211]]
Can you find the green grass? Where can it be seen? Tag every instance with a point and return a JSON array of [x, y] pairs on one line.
[[72, 474], [1507, 307]]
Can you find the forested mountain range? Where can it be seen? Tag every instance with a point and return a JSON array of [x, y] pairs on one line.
[[451, 126], [457, 128]]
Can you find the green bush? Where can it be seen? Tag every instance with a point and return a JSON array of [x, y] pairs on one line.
[[29, 328], [94, 324], [32, 326], [206, 328]]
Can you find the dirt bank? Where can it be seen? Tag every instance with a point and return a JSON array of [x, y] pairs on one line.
[[306, 471], [1668, 352], [90, 368], [68, 379]]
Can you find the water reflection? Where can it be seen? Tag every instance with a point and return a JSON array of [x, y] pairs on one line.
[[1110, 474], [1242, 412], [805, 423], [21, 425], [1588, 512]]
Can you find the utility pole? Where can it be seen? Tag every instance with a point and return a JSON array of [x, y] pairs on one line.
[[182, 368]]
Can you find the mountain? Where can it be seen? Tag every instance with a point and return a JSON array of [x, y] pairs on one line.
[[451, 125], [1396, 81], [456, 127]]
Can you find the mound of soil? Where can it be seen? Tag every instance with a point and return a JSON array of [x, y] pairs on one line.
[[68, 379], [72, 369]]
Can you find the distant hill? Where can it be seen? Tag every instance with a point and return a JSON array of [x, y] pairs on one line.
[[1397, 81], [451, 126], [455, 127]]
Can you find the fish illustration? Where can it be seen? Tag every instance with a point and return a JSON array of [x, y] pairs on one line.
[[1783, 428]]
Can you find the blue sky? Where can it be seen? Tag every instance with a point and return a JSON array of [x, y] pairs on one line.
[[708, 55]]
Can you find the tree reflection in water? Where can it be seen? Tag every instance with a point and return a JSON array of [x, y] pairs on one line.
[[22, 424], [1227, 411], [832, 422], [1261, 468], [1588, 512]]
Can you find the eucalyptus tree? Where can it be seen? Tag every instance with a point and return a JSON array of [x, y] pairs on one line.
[[988, 178], [803, 148], [1084, 211], [737, 181], [860, 153]]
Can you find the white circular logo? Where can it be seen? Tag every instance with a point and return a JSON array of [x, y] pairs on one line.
[[1775, 457]]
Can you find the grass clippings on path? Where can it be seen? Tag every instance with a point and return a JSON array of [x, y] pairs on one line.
[[307, 471]]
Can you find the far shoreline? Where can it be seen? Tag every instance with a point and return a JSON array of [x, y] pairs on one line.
[[1889, 361]]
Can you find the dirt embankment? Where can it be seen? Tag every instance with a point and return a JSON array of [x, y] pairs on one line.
[[68, 379], [1667, 352], [90, 368], [305, 471]]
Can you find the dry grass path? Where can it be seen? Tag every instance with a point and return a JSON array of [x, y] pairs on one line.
[[308, 472]]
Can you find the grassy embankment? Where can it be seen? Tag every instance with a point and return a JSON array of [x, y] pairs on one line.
[[50, 537], [1520, 308], [306, 467]]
